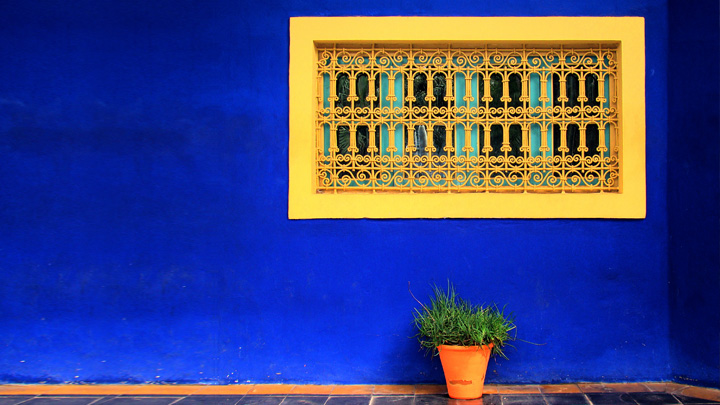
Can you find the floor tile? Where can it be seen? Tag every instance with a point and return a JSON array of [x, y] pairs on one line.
[[690, 400], [523, 400], [566, 399], [490, 389], [352, 390], [61, 400], [261, 400], [451, 401], [14, 399], [392, 400], [659, 393], [238, 389], [126, 400], [349, 400], [560, 389], [432, 400], [305, 400], [486, 399], [657, 398], [489, 399], [612, 398], [210, 399], [394, 390]]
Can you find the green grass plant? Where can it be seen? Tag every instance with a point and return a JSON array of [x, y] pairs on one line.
[[451, 320]]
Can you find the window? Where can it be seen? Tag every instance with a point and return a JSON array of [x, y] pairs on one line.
[[478, 117], [459, 119]]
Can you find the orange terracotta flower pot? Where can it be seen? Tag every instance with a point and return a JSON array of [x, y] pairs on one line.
[[465, 368]]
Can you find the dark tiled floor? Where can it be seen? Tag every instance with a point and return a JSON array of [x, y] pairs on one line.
[[13, 400], [145, 400], [348, 400], [566, 399], [74, 400], [610, 399], [393, 400], [527, 399], [689, 400], [260, 400], [210, 399], [633, 398], [654, 398]]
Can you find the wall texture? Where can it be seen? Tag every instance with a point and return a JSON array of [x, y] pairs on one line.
[[144, 234], [694, 191]]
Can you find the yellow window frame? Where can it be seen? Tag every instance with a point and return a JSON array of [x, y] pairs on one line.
[[307, 32]]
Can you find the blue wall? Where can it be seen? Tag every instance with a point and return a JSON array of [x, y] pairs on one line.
[[694, 191], [144, 232]]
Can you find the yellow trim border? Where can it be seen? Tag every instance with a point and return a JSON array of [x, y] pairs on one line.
[[135, 390], [305, 32]]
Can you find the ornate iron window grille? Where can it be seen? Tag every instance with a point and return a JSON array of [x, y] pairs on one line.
[[467, 119]]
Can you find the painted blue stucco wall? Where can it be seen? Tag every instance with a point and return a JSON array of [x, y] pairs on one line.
[[144, 232], [694, 191]]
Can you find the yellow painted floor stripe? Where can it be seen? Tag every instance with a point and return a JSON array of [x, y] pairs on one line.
[[293, 389]]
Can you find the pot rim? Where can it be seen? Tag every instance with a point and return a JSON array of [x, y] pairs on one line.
[[464, 348]]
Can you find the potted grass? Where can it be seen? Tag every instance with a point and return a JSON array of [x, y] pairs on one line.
[[465, 336]]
